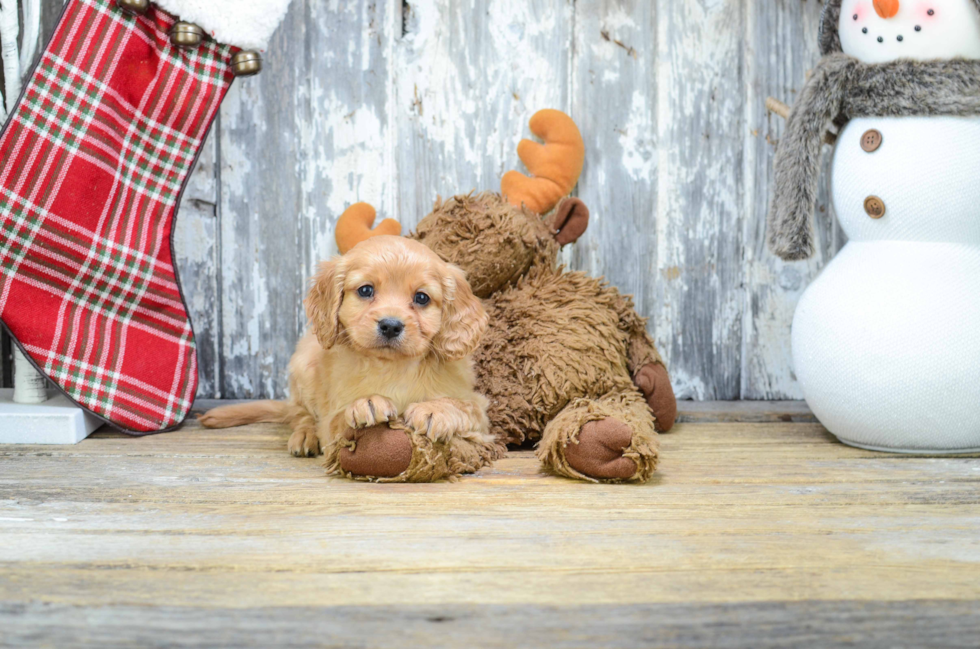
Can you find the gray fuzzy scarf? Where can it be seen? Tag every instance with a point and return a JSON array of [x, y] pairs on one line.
[[842, 88]]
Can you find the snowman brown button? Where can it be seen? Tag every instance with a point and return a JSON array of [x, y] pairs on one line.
[[874, 206], [871, 140]]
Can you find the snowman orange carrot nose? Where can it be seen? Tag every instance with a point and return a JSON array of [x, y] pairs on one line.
[[886, 8]]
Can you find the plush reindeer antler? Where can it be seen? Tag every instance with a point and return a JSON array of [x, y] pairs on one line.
[[354, 226], [555, 165]]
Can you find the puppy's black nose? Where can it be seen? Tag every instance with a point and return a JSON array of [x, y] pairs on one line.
[[391, 328]]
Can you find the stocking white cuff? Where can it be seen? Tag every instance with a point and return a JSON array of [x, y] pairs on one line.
[[248, 24]]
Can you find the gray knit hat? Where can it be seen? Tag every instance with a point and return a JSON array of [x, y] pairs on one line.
[[829, 22]]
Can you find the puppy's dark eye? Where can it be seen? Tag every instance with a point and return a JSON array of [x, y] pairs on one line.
[[366, 291], [421, 298]]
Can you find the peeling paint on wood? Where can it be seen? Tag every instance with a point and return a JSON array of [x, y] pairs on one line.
[[700, 102], [195, 245], [784, 47], [469, 74], [396, 103], [299, 143]]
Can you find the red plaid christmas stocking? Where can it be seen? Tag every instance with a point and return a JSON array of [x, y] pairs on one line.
[[93, 160]]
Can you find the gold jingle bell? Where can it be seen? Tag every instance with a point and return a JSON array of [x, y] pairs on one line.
[[186, 35], [246, 63], [134, 7]]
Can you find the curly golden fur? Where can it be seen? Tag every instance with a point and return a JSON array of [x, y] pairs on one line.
[[353, 370]]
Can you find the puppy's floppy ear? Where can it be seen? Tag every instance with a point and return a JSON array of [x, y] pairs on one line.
[[323, 301], [464, 320]]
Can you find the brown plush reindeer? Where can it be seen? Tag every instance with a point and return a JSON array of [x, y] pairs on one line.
[[566, 362]]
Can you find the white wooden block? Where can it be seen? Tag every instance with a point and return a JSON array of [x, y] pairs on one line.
[[56, 421]]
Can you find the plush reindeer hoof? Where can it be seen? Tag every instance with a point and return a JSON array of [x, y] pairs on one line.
[[378, 452], [599, 451], [654, 383]]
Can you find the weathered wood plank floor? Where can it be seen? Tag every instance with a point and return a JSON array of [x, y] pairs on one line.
[[766, 533]]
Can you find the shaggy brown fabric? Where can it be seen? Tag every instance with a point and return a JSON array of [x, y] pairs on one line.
[[625, 406], [479, 234], [562, 347], [374, 454], [553, 337]]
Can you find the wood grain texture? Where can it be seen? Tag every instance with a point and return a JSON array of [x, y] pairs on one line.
[[469, 74], [700, 105], [752, 534], [744, 411], [879, 625], [395, 103], [196, 249], [783, 50], [614, 100], [298, 144]]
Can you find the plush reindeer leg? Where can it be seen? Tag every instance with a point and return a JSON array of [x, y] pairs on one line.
[[436, 440], [610, 439], [654, 382], [377, 453], [646, 367]]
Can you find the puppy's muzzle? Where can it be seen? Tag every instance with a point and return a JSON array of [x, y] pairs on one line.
[[390, 329]]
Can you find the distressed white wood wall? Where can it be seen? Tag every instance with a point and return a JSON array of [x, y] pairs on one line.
[[397, 102]]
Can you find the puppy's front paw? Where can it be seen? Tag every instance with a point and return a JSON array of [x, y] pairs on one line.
[[365, 413], [436, 420], [304, 443]]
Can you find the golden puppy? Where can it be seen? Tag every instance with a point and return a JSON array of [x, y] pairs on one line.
[[391, 330]]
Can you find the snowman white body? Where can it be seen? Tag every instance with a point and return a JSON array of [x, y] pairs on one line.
[[886, 341]]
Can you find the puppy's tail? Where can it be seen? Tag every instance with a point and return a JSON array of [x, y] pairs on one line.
[[239, 414]]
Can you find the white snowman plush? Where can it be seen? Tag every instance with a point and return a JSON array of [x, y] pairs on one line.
[[886, 341]]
